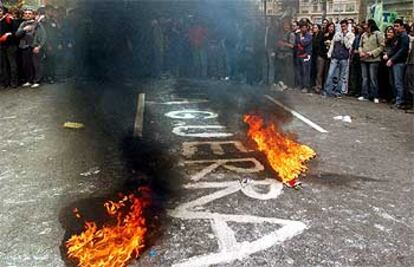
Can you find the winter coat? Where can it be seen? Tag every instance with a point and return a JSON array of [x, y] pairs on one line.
[[399, 53], [34, 38], [372, 43]]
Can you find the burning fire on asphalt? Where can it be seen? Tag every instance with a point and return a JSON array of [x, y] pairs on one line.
[[116, 242], [286, 156]]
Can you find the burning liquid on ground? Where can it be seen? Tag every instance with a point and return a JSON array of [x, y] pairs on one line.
[[116, 242], [286, 156]]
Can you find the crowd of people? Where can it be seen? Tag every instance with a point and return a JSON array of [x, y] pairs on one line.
[[32, 41], [332, 58], [344, 58]]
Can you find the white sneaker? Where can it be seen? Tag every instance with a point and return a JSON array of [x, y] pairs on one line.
[[376, 100], [361, 98], [35, 85], [26, 84]]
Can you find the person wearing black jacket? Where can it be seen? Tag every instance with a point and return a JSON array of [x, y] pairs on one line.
[[396, 60], [322, 62], [317, 42], [32, 37], [8, 48]]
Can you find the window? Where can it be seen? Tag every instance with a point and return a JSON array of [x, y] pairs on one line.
[[315, 8], [338, 8], [350, 7]]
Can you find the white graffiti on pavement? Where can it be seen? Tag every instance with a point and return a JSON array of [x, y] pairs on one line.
[[264, 190]]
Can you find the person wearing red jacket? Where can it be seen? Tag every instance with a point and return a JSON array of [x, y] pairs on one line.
[[8, 48]]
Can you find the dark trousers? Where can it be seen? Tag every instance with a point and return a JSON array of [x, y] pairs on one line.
[[9, 66], [355, 73], [409, 80], [285, 70], [32, 66], [303, 68]]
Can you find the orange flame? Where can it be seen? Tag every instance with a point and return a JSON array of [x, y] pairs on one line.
[[112, 245], [285, 155]]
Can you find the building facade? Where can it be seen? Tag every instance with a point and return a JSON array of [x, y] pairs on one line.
[[280, 7], [334, 9]]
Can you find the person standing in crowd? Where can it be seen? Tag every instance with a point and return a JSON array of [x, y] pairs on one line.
[[295, 31], [370, 49], [322, 63], [303, 53], [198, 35], [351, 24], [8, 46], [355, 79], [325, 24], [339, 53], [284, 56], [54, 43], [32, 40], [385, 74], [396, 60], [409, 73], [317, 37]]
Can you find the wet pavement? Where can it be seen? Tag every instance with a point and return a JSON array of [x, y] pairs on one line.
[[221, 205]]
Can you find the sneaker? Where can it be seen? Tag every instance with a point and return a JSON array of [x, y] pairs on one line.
[[282, 85], [304, 90], [376, 101], [361, 98], [35, 85], [27, 84]]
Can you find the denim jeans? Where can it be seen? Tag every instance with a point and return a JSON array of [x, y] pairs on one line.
[[342, 65], [370, 79], [397, 71], [303, 69]]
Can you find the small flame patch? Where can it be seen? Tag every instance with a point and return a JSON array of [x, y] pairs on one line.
[[112, 244], [286, 157]]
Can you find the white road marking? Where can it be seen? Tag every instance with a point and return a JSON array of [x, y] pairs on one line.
[[139, 118], [187, 114], [229, 248], [216, 163], [190, 148], [203, 131], [297, 115], [179, 102]]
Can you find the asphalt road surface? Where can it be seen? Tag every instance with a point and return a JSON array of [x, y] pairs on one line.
[[218, 201]]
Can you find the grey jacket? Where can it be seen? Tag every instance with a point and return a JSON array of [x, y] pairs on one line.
[[34, 38]]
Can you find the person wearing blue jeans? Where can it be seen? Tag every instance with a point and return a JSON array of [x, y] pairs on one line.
[[370, 81], [339, 52], [396, 59], [397, 72], [370, 49], [337, 66]]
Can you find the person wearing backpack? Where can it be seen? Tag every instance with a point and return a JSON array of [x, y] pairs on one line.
[[370, 49]]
